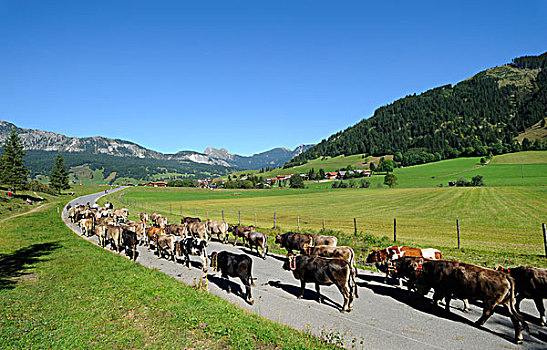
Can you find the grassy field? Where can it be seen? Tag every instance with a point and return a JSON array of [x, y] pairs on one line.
[[58, 291], [499, 223]]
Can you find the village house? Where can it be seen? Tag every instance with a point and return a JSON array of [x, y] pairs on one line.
[[157, 184]]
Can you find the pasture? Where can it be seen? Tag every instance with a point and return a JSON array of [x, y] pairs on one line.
[[58, 291], [498, 225]]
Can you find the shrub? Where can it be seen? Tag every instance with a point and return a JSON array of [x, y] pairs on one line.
[[462, 182], [364, 183], [477, 180]]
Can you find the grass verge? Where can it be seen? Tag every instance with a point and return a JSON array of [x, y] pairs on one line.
[[58, 291]]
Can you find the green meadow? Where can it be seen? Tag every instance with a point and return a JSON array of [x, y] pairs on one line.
[[500, 222]]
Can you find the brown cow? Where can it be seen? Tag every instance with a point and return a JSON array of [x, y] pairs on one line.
[[331, 241], [323, 271], [256, 240], [100, 231], [530, 283], [150, 232], [173, 229], [188, 219], [240, 231], [197, 229], [325, 251], [384, 258], [449, 278], [139, 228], [87, 226], [294, 240], [154, 217]]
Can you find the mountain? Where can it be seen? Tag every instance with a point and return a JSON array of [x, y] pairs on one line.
[[481, 115], [273, 158], [100, 158]]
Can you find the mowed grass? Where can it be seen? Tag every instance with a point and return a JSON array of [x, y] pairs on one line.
[[493, 220], [58, 291]]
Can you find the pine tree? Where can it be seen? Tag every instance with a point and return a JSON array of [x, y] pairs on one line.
[[59, 175], [13, 172]]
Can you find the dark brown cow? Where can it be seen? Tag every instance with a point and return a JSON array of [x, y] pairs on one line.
[[323, 271], [530, 283], [188, 219], [294, 240], [130, 240], [449, 278], [240, 231], [325, 251], [331, 241]]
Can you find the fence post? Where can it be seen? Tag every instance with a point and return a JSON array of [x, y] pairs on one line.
[[458, 228], [545, 238], [181, 210], [323, 224], [255, 221], [240, 218], [195, 212], [354, 226], [275, 219], [169, 208], [298, 221], [207, 213], [394, 229], [223, 216]]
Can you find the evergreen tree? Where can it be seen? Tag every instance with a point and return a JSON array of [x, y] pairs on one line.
[[13, 172], [59, 175]]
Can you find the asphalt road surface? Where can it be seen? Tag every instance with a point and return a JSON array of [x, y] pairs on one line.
[[382, 318]]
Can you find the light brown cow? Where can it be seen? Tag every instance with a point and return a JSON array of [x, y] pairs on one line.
[[331, 241], [114, 234], [143, 217], [197, 229], [166, 246], [87, 226], [162, 221], [218, 228]]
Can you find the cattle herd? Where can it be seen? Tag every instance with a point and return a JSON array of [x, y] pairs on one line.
[[318, 260]]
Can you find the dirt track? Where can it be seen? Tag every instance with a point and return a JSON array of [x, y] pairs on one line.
[[383, 317]]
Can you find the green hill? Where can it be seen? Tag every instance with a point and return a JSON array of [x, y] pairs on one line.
[[481, 115]]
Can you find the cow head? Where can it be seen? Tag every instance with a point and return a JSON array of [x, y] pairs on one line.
[[374, 256], [278, 238], [230, 228]]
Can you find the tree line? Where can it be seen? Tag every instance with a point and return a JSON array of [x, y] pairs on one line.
[[476, 117]]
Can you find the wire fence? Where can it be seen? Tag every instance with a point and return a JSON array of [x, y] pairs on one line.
[[457, 234]]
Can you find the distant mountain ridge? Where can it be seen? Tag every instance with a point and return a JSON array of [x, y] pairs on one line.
[[35, 140]]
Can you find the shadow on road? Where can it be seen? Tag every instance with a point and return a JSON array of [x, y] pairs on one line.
[[223, 284], [425, 305], [19, 262], [308, 293]]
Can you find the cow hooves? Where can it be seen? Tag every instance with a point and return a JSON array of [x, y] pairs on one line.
[[518, 341], [299, 297], [342, 311]]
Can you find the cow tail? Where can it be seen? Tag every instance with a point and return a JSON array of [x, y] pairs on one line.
[[519, 317], [353, 270], [251, 278]]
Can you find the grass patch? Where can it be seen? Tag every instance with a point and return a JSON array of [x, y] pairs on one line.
[[58, 291]]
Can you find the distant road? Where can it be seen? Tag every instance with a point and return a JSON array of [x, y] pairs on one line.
[[383, 317]]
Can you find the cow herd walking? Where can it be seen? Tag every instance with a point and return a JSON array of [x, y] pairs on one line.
[[318, 260]]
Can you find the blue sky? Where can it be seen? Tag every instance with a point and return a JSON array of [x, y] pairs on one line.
[[244, 75]]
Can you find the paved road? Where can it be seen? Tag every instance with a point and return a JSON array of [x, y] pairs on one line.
[[383, 318]]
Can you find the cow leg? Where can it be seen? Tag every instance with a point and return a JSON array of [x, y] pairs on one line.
[[319, 299], [187, 259], [466, 305], [447, 299], [227, 283], [541, 309], [247, 285], [515, 320], [235, 240], [518, 298], [486, 313], [303, 287]]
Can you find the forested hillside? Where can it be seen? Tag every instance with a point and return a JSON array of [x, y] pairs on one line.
[[478, 116]]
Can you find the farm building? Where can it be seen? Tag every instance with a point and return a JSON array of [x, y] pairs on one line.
[[157, 184]]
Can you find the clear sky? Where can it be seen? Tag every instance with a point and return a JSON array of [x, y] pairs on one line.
[[244, 75]]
